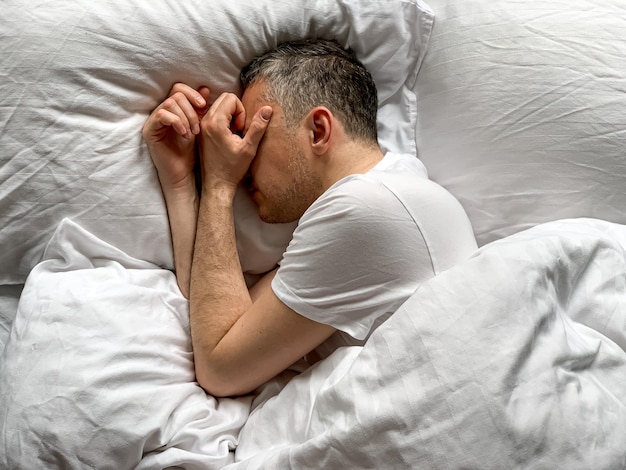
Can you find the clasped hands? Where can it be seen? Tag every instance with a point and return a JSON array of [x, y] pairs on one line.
[[227, 139]]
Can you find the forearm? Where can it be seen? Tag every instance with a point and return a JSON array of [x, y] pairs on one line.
[[219, 295], [182, 210], [170, 135]]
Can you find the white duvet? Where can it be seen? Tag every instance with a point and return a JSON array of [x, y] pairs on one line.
[[513, 359]]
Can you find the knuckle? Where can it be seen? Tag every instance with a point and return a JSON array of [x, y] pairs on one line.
[[248, 148], [193, 119], [208, 126], [160, 114], [177, 96], [259, 125], [169, 102], [177, 87], [207, 121], [256, 130]]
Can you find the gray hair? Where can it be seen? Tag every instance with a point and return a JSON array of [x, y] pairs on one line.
[[301, 75]]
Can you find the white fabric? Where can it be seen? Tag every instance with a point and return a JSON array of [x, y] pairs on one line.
[[98, 370], [81, 79], [365, 245], [515, 358], [9, 296], [522, 110]]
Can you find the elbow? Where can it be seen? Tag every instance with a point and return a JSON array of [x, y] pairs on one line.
[[213, 385], [218, 383]]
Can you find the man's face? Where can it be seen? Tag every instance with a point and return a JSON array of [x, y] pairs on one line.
[[281, 182]]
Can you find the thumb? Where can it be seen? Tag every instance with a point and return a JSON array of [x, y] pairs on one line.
[[257, 128]]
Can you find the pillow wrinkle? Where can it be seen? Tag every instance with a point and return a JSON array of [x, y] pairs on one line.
[[85, 80], [521, 111]]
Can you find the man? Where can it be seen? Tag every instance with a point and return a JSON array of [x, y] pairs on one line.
[[303, 140]]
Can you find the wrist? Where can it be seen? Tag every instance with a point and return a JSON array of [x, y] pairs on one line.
[[179, 199], [182, 191], [219, 189]]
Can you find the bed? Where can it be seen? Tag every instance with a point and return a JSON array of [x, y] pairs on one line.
[[514, 358]]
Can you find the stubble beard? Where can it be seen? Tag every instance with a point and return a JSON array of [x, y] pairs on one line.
[[286, 204]]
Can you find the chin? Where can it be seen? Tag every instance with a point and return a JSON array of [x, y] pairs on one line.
[[270, 219], [275, 217]]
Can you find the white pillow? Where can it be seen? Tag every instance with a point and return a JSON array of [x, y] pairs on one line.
[[81, 78], [98, 371], [522, 110]]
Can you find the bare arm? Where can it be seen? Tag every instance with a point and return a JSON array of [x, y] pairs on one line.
[[170, 134], [218, 291], [182, 210], [238, 344]]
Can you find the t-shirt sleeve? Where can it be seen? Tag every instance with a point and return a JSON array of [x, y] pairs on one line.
[[355, 257]]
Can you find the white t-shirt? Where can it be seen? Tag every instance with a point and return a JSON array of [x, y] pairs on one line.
[[368, 242]]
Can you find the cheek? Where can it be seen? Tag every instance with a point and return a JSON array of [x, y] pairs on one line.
[[265, 161], [273, 161], [258, 162], [260, 171]]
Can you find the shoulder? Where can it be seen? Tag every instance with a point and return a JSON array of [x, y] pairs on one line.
[[360, 221], [364, 193], [356, 200], [397, 187], [396, 205]]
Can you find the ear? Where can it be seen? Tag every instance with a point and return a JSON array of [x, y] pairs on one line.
[[320, 127]]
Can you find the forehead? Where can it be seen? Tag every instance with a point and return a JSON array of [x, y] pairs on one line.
[[253, 97]]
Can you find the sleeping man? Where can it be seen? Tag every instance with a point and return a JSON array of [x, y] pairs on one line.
[[303, 141]]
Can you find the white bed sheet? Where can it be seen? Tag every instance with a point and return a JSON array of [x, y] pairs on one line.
[[513, 359], [98, 370], [9, 297]]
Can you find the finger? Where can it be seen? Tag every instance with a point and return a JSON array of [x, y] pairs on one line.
[[226, 111], [189, 111], [166, 118], [228, 103], [206, 94], [175, 105], [160, 119], [157, 124], [238, 123], [198, 99], [257, 128]]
